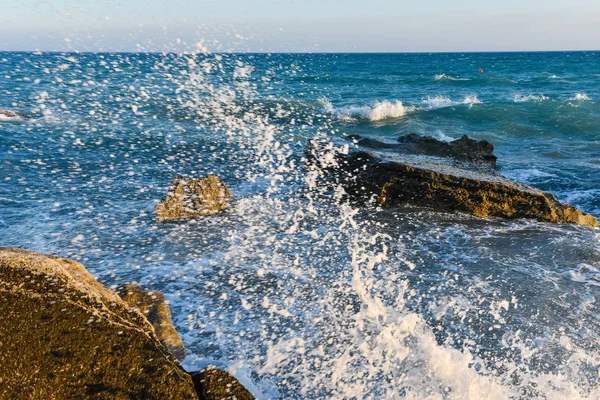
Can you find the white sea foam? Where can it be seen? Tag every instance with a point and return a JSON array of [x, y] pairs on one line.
[[580, 97], [443, 101], [519, 98], [442, 77], [378, 111]]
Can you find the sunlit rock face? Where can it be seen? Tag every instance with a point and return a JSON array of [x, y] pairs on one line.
[[64, 335], [156, 309], [193, 198], [456, 176]]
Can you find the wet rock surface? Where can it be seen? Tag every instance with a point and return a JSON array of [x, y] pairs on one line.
[[455, 176], [214, 384], [65, 336], [155, 308], [465, 152], [193, 198], [11, 115]]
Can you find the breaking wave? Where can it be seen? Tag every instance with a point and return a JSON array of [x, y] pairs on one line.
[[378, 111], [519, 98], [386, 109], [443, 101], [580, 97], [444, 77]]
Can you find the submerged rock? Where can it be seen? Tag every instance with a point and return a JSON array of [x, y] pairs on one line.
[[214, 384], [8, 115], [155, 308], [430, 176], [64, 335], [193, 198]]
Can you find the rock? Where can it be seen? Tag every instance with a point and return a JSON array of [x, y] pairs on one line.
[[193, 198], [154, 306], [477, 153], [396, 178], [65, 336], [214, 384], [8, 115]]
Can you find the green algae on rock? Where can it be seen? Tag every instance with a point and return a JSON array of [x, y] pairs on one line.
[[193, 198], [396, 178]]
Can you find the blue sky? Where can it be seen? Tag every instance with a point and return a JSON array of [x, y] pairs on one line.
[[299, 25]]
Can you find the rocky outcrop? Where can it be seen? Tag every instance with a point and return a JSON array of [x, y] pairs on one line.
[[478, 153], [193, 198], [65, 336], [456, 177], [8, 115], [155, 308], [214, 384]]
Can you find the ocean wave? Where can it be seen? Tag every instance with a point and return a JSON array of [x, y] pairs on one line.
[[519, 98], [378, 111], [584, 273], [444, 77], [527, 175], [386, 109], [580, 97], [443, 101]]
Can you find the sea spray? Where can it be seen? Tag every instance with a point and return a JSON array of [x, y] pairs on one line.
[[323, 309], [296, 291]]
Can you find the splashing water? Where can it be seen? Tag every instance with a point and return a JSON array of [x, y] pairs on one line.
[[296, 291]]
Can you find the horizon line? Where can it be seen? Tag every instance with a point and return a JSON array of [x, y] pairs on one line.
[[295, 52]]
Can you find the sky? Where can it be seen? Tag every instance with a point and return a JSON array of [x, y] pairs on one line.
[[299, 25]]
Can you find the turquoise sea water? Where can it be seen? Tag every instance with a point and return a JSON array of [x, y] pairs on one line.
[[298, 295]]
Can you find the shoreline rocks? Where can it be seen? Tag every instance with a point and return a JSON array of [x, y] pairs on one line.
[[214, 384], [154, 307], [65, 335], [460, 180], [193, 198]]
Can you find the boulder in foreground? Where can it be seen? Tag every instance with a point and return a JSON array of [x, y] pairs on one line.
[[193, 198], [65, 336], [450, 180]]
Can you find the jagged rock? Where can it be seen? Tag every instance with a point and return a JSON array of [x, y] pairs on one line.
[[193, 198], [477, 153], [65, 336], [400, 177], [10, 115], [214, 384], [155, 308]]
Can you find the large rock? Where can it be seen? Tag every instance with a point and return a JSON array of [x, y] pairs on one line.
[[193, 198], [65, 336], [156, 309], [477, 154], [449, 180], [214, 384]]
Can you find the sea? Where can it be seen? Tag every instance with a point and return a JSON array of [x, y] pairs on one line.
[[297, 292]]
